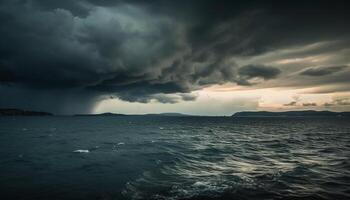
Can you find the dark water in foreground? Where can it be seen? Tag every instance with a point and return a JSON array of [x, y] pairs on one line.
[[174, 158]]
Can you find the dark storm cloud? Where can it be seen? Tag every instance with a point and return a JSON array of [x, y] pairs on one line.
[[5, 75], [322, 71], [257, 71], [173, 98], [188, 97], [140, 50]]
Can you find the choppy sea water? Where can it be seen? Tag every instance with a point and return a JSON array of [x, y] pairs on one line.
[[174, 158]]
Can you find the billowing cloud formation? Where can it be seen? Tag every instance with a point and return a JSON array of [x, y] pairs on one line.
[[139, 51], [322, 71], [257, 71]]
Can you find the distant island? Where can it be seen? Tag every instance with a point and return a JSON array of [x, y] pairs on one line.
[[304, 113], [151, 114], [102, 114], [169, 115], [19, 112]]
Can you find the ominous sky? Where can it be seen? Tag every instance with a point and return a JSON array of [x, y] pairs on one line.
[[207, 57]]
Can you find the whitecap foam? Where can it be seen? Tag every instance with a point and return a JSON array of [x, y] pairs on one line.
[[81, 151], [200, 184]]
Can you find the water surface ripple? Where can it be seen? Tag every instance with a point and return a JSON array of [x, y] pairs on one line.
[[174, 158]]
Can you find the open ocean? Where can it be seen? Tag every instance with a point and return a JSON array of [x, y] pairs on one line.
[[137, 157]]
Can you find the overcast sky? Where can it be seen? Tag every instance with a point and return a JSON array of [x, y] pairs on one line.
[[206, 57]]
